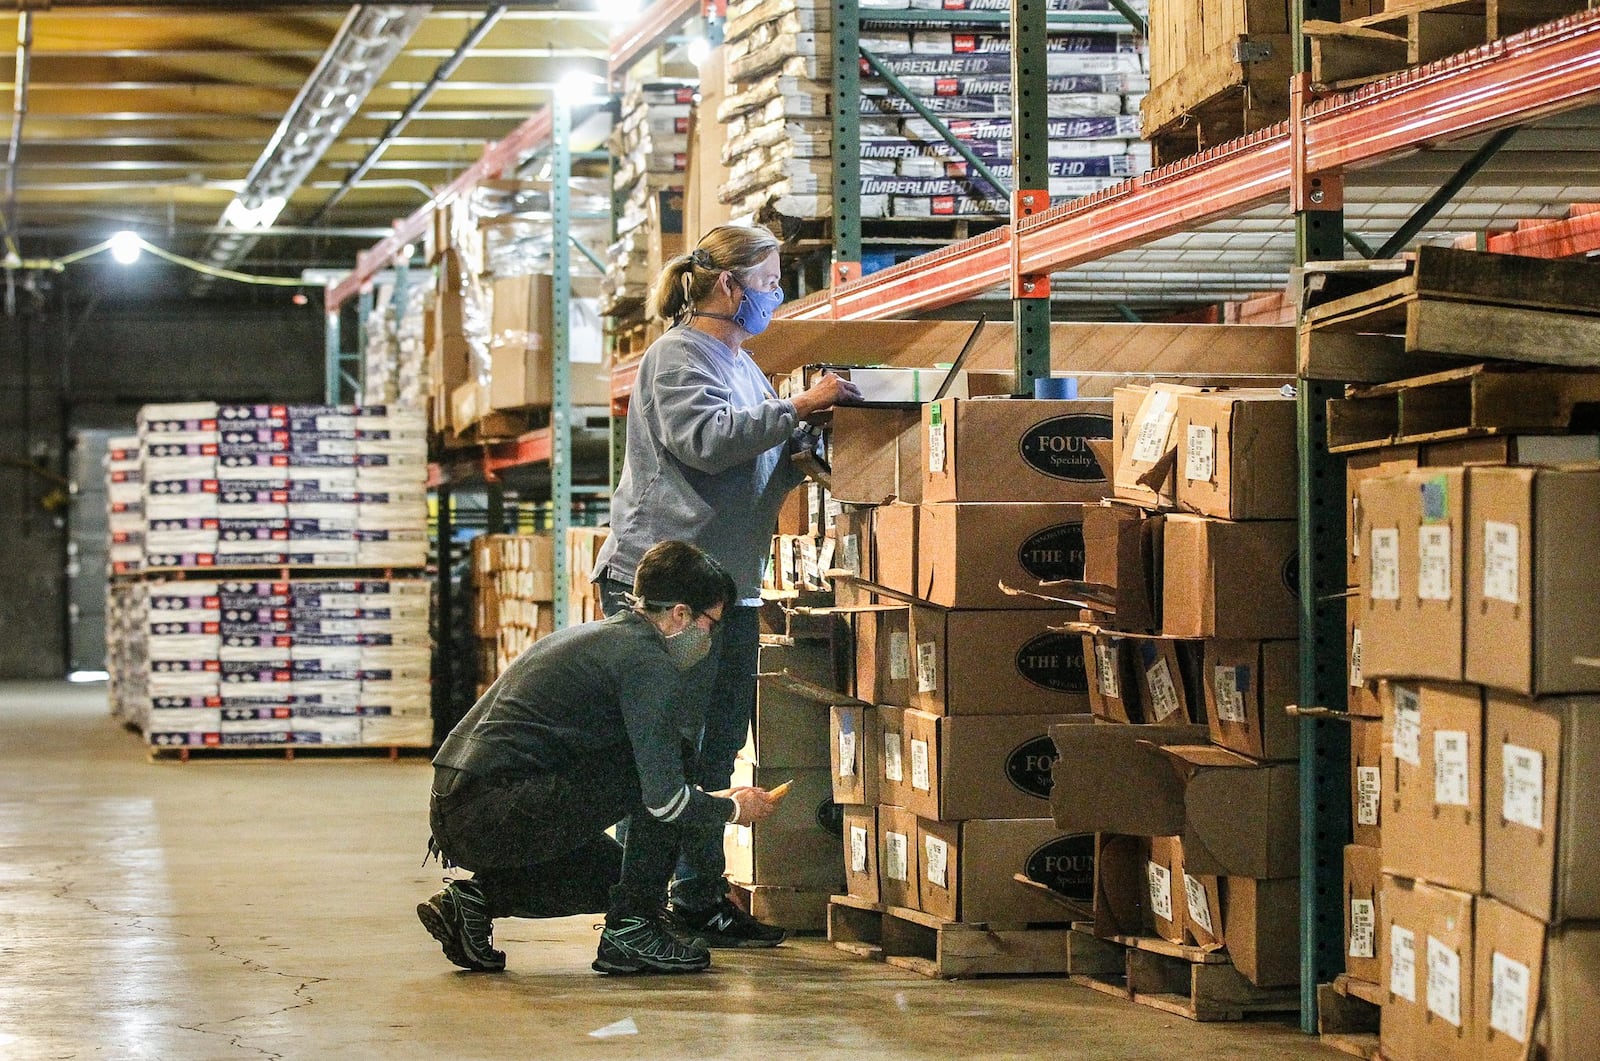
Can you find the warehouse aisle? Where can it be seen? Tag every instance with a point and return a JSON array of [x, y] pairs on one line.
[[262, 908]]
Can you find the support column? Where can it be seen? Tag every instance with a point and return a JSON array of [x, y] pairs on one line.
[[846, 263], [561, 335], [1030, 145]]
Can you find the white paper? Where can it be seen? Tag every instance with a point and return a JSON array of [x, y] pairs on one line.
[[1160, 890], [1384, 583], [1501, 562], [1444, 981], [1199, 903], [1403, 963], [1200, 462], [899, 655], [1355, 658], [894, 857], [938, 859], [1164, 702], [1522, 770], [1407, 726], [1230, 702], [1369, 794], [847, 753], [1105, 665], [1508, 997], [927, 667], [1154, 428], [858, 849], [1433, 558], [1363, 929], [892, 768], [850, 551], [743, 835], [919, 765], [1450, 770], [935, 443]]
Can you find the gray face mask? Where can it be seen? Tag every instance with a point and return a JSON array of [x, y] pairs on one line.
[[688, 646]]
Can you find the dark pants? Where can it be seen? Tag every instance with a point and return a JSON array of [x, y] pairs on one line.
[[722, 692], [537, 844]]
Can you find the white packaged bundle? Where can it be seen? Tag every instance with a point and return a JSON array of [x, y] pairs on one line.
[[185, 719], [323, 480], [263, 726], [125, 493], [158, 469], [328, 691], [183, 683], [397, 730], [405, 705], [186, 541], [179, 412], [326, 729], [183, 647]]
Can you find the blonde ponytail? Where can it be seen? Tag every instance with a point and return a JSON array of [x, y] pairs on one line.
[[690, 278]]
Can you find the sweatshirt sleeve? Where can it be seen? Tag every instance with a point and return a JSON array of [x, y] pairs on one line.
[[700, 425], [646, 700]]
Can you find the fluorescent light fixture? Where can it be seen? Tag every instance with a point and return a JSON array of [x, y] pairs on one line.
[[699, 50], [239, 215], [618, 12], [580, 87], [81, 677], [125, 247]]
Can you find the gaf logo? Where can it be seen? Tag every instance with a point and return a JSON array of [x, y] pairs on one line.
[[1028, 766], [1054, 553], [1059, 447], [1054, 661], [1065, 865]]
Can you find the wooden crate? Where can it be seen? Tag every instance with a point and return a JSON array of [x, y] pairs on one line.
[[1347, 1016], [947, 950], [1188, 981]]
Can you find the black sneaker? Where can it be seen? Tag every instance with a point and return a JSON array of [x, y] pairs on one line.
[[458, 917], [643, 945], [725, 925]]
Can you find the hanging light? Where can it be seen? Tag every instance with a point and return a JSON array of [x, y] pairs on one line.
[[125, 247]]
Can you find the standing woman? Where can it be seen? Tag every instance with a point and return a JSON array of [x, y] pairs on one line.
[[708, 462]]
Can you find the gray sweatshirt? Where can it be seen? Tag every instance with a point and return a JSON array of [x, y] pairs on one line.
[[707, 461]]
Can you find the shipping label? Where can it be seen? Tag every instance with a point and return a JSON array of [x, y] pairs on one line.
[[894, 857], [1522, 770], [936, 441], [1105, 658], [1508, 997], [1369, 794], [1200, 457], [1164, 701], [1230, 684], [1199, 903], [847, 746], [937, 853], [1433, 557], [899, 655], [1444, 981], [1150, 442], [919, 766], [1403, 963], [927, 667], [1363, 929], [1160, 890], [1501, 560], [858, 849], [850, 550], [1407, 726], [1385, 581], [893, 769], [1450, 768], [1355, 658]]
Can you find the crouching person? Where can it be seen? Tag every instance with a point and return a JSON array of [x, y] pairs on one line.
[[581, 731]]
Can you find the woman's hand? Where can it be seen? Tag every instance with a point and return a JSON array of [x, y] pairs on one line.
[[827, 392]]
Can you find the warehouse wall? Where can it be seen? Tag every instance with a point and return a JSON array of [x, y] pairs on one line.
[[92, 366]]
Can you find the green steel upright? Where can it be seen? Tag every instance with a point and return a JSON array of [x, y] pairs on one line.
[[846, 141], [1030, 147], [560, 352]]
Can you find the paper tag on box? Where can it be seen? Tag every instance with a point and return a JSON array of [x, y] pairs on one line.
[[1160, 890], [927, 667], [1369, 794], [1508, 997], [919, 765], [1403, 963], [1363, 929], [1384, 583], [899, 655], [1450, 768], [847, 747], [1154, 428], [1105, 665], [935, 440], [1200, 462], [1433, 559], [894, 857], [858, 849], [1227, 681], [893, 769], [1355, 658], [938, 858], [1199, 904], [850, 553], [1444, 981], [1407, 726], [743, 835], [1164, 702], [1522, 770], [1501, 562]]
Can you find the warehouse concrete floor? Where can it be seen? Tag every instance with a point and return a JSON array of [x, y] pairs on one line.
[[262, 908]]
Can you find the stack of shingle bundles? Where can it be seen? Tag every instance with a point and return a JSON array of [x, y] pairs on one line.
[[126, 685], [651, 146], [124, 505]]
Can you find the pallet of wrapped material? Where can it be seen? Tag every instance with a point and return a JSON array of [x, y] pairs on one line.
[[1058, 105], [810, 48], [800, 97]]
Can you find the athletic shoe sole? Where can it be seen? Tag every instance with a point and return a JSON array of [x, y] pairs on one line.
[[440, 929], [616, 968]]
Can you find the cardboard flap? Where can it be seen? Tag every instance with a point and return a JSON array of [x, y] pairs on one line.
[[808, 690], [1243, 822], [1091, 595], [1126, 759], [1078, 910], [1207, 755]]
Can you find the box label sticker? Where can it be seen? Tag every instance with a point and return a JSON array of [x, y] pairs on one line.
[[850, 550], [1522, 770], [1407, 726], [1355, 658], [1369, 794], [893, 770], [1450, 768], [894, 857], [899, 655], [1363, 929], [1508, 997], [1403, 963], [927, 667], [1059, 447], [938, 858], [858, 849], [919, 765], [1164, 702], [1433, 558], [1444, 981], [1435, 500], [1501, 562], [1385, 581], [935, 440], [1230, 684], [1200, 462], [1199, 904], [1105, 665], [1160, 890], [1154, 427], [847, 746]]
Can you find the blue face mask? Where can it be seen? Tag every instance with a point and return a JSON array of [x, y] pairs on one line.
[[756, 309]]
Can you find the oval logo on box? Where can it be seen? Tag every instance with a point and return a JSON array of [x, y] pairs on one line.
[[1059, 446], [1028, 766], [1054, 553], [1054, 661], [830, 817], [1065, 865], [1291, 574]]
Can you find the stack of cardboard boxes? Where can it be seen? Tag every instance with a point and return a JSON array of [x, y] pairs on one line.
[[513, 579], [583, 594]]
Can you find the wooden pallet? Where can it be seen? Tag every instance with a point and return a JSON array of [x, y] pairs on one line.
[[940, 949], [287, 752], [1347, 1016], [1191, 982], [800, 912], [1461, 403], [1237, 88]]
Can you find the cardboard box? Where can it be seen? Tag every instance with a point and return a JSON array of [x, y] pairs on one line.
[[1512, 450], [852, 534], [861, 852], [1362, 697], [964, 552], [883, 385], [1122, 550], [1359, 467], [1235, 817], [1538, 988], [1111, 663], [983, 767], [893, 776], [1411, 590], [1163, 682], [1248, 685], [1363, 880], [1261, 920], [795, 516], [1230, 580], [894, 547], [899, 858], [996, 663], [854, 746], [1168, 900], [865, 447], [1366, 781], [1530, 616], [1541, 771], [1432, 817], [969, 868], [1426, 951], [521, 346], [1236, 454], [799, 845], [787, 729], [997, 449], [883, 655], [1145, 445]]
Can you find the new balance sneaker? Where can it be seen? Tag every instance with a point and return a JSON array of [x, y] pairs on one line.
[[458, 917], [725, 925], [643, 945]]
